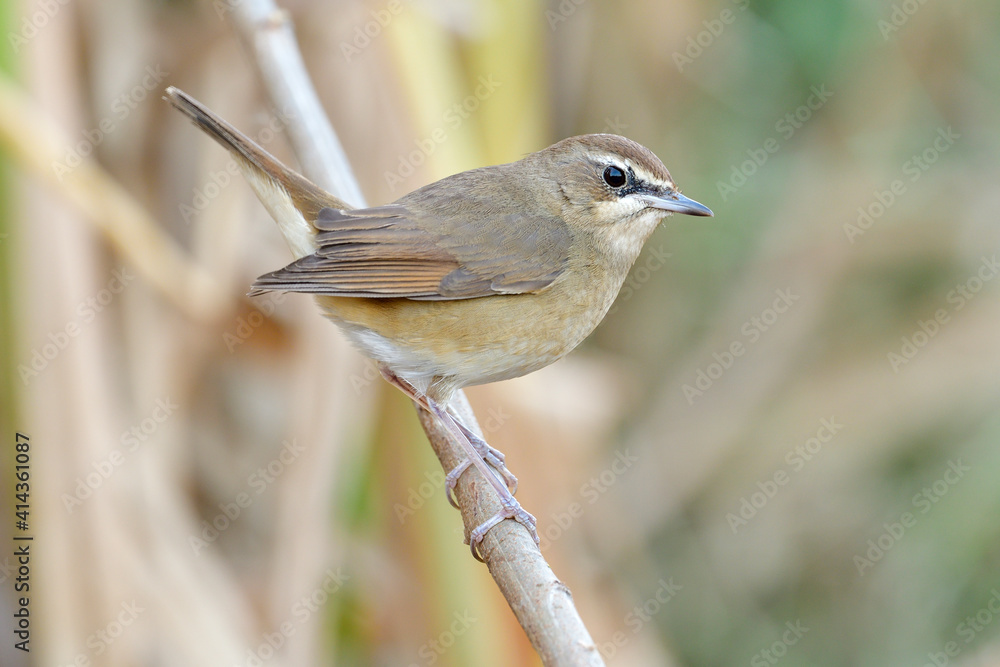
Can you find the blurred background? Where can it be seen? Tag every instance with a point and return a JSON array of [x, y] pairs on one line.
[[780, 446]]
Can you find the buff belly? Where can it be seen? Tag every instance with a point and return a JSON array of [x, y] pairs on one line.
[[452, 344]]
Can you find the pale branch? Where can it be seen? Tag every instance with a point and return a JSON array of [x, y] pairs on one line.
[[542, 604], [267, 31]]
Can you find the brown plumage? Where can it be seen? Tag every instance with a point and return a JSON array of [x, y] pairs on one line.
[[403, 250], [482, 276]]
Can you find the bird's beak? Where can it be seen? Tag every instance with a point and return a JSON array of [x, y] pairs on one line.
[[676, 203]]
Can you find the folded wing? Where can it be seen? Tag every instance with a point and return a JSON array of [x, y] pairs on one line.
[[395, 251]]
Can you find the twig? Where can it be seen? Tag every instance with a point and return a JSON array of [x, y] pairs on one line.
[[542, 604]]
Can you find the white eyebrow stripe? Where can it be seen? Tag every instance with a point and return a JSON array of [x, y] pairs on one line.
[[648, 177]]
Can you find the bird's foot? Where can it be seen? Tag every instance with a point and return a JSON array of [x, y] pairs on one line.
[[494, 457], [451, 480], [511, 509], [479, 455]]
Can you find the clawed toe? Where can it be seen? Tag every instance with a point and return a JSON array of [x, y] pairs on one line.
[[488, 460], [511, 510], [452, 479], [493, 456]]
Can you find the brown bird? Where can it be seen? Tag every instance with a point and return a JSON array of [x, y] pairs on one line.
[[485, 275]]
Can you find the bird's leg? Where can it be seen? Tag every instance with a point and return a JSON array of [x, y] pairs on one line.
[[451, 479], [510, 508], [492, 455]]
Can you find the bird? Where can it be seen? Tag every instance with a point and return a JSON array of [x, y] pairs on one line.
[[482, 276]]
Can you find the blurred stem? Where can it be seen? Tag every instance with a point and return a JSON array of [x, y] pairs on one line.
[[9, 407], [35, 143], [508, 54], [433, 83]]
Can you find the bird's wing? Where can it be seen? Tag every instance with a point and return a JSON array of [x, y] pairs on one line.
[[393, 251]]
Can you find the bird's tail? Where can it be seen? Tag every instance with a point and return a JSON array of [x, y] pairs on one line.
[[291, 199]]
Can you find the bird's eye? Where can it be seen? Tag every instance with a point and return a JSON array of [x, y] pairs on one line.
[[614, 177]]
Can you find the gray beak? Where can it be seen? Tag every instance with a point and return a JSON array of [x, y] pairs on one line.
[[675, 202]]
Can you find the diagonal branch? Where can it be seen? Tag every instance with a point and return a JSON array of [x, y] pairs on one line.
[[267, 32], [542, 604]]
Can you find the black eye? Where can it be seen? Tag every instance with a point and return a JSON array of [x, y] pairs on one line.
[[614, 177]]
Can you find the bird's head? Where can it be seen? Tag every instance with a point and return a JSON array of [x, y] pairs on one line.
[[615, 189]]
